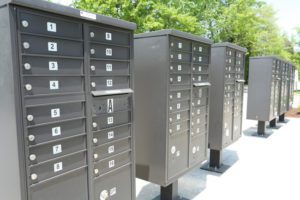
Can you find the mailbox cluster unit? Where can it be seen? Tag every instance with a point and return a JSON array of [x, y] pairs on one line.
[[270, 92], [226, 102], [171, 78], [66, 104]]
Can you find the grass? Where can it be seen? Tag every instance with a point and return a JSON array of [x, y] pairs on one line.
[[297, 92]]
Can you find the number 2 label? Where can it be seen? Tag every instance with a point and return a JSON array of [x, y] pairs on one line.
[[52, 46]]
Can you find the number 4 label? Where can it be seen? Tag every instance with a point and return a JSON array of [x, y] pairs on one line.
[[54, 85]]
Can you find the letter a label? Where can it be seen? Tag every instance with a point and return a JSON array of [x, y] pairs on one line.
[[110, 105]]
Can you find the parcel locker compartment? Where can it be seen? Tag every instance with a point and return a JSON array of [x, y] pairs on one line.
[[237, 127], [49, 25], [199, 58], [200, 78], [180, 95], [110, 120], [51, 66], [199, 129], [180, 79], [110, 83], [200, 92], [179, 127], [53, 168], [112, 148], [199, 120], [52, 85], [177, 154], [111, 104], [112, 163], [111, 134], [200, 102], [109, 52], [180, 44], [180, 57], [57, 189], [113, 185], [179, 116], [203, 110], [109, 68], [109, 36], [56, 131], [41, 153], [50, 113], [198, 149], [200, 69], [201, 48], [176, 106], [50, 46], [177, 68]]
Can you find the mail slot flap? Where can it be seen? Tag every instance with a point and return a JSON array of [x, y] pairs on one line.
[[180, 79], [201, 48], [199, 58], [109, 52], [56, 131], [199, 92], [200, 68], [111, 134], [51, 66], [111, 120], [111, 92], [180, 57], [180, 44], [179, 116], [48, 25], [198, 149], [179, 95], [110, 83], [109, 68], [180, 68], [48, 170], [45, 114], [179, 127], [112, 163], [112, 148], [51, 46], [41, 153], [200, 78], [179, 105], [110, 104], [52, 85], [110, 36]]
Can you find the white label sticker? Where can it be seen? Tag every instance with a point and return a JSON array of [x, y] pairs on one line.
[[179, 56], [54, 85], [179, 68], [227, 133], [108, 52], [52, 46], [113, 191], [199, 78], [56, 131], [198, 111], [108, 67], [88, 15], [200, 49], [179, 78], [111, 149], [51, 27], [57, 149], [229, 60], [199, 68], [110, 105], [53, 66], [178, 127], [109, 82], [108, 36], [110, 135], [178, 116], [179, 45], [200, 59], [198, 130], [58, 167], [199, 102], [178, 95], [110, 120], [55, 113], [178, 106], [111, 163], [178, 153], [198, 120]]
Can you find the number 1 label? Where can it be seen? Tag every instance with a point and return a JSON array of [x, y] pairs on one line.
[[51, 27]]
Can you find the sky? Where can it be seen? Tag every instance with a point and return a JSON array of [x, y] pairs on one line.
[[288, 13]]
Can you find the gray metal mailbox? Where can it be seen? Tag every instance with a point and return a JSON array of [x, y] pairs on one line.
[[171, 97], [66, 106], [270, 91], [226, 102]]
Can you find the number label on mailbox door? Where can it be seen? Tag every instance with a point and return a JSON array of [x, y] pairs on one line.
[[108, 67], [109, 83], [54, 85], [58, 167], [51, 27], [110, 105], [57, 149], [111, 163], [56, 131], [55, 113], [108, 52], [52, 46], [111, 149], [110, 135], [110, 120]]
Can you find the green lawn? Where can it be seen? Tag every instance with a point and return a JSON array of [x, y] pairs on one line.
[[297, 92]]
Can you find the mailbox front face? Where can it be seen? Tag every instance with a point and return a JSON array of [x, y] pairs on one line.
[[78, 141]]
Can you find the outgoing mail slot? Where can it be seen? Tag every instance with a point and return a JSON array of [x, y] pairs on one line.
[[50, 46], [109, 68], [200, 68], [201, 48], [45, 114], [200, 92], [179, 68], [200, 78], [179, 105], [111, 134], [180, 44], [111, 104], [109, 36], [179, 127], [180, 79], [112, 163], [180, 57], [41, 153], [202, 59], [179, 116], [198, 149], [57, 167], [47, 25], [109, 52], [111, 120], [56, 131], [112, 148], [179, 95], [110, 83]]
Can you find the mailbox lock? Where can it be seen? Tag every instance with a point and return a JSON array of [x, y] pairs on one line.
[[28, 87], [34, 177], [96, 156], [93, 68], [30, 118], [32, 157], [92, 34], [96, 171], [93, 51], [95, 140], [26, 45], [25, 23], [93, 84], [31, 138], [95, 124], [104, 195], [27, 66]]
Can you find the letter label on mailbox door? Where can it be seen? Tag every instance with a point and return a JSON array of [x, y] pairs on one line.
[[110, 105], [57, 149], [52, 46], [51, 27], [53, 66], [58, 167], [56, 131]]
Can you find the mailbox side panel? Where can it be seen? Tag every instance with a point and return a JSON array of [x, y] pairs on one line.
[[150, 78]]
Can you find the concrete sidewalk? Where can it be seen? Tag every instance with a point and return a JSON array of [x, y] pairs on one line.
[[261, 169]]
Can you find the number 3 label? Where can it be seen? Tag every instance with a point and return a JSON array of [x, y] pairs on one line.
[[53, 66]]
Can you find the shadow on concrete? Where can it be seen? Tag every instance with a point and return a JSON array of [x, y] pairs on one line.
[[252, 132], [191, 184]]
